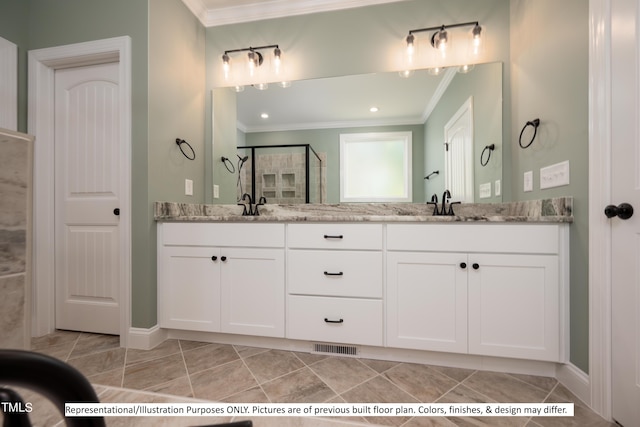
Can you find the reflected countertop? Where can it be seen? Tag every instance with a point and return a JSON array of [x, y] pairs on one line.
[[558, 210]]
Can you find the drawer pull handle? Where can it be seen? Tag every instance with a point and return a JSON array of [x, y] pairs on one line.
[[333, 321], [326, 273], [328, 236]]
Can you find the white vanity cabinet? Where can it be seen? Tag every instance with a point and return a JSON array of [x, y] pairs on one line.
[[222, 277], [484, 289], [335, 283]]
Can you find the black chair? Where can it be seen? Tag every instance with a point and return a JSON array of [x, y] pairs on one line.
[[57, 381]]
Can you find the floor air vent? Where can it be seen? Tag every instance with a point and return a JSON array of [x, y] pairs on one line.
[[339, 350]]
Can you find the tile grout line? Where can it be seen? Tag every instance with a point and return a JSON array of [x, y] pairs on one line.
[[186, 369]]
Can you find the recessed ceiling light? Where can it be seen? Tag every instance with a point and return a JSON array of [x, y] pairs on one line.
[[264, 115], [374, 109]]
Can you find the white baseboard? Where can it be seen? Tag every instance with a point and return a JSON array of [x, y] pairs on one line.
[[146, 339], [574, 379]]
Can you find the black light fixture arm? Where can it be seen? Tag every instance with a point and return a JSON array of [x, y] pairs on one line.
[[444, 27], [251, 49]]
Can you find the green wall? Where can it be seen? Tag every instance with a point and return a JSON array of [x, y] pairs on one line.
[[550, 81]]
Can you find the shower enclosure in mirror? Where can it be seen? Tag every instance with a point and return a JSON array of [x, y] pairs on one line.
[[291, 173]]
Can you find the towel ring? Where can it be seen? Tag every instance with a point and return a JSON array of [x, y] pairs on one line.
[[490, 148], [180, 142], [535, 123], [227, 162]]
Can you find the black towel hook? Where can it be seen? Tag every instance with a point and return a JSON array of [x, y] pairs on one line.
[[490, 148], [180, 142], [535, 123]]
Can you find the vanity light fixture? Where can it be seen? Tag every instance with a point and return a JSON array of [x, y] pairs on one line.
[[374, 109], [440, 36], [255, 59]]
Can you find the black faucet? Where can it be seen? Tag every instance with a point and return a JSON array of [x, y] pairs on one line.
[[443, 210], [434, 202], [249, 208]]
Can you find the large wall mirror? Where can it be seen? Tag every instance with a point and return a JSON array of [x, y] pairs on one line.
[[317, 112]]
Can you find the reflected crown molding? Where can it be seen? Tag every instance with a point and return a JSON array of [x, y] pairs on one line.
[[212, 13]]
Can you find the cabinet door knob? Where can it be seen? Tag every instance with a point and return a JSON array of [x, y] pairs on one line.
[[475, 266], [463, 265], [214, 258], [333, 321], [223, 258], [116, 211]]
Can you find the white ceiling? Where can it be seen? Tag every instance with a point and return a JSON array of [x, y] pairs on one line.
[[221, 12]]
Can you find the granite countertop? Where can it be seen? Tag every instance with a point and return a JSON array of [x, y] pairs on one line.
[[546, 210]]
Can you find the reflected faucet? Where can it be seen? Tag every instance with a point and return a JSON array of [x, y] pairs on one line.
[[252, 210], [445, 196], [434, 202]]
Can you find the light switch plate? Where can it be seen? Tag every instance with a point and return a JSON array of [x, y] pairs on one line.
[[485, 190], [528, 181], [497, 187], [555, 175], [216, 191], [188, 187]]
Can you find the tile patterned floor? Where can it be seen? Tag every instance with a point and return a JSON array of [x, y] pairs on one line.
[[183, 371]]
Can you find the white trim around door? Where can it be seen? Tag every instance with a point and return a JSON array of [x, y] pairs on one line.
[[600, 196], [42, 66]]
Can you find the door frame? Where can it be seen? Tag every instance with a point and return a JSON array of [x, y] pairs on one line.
[[600, 182], [42, 66]]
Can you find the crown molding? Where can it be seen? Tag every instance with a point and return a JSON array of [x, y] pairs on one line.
[[269, 9]]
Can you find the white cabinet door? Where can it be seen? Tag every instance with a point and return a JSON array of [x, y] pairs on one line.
[[427, 301], [514, 306], [189, 288], [253, 291]]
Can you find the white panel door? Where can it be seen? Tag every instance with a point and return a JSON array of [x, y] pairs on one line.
[[625, 262], [87, 180], [458, 155]]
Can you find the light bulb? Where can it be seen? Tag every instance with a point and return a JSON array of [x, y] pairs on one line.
[[410, 45], [225, 66], [277, 60]]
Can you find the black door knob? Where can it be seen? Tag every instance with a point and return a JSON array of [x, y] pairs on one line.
[[622, 211], [223, 258], [116, 211], [463, 265], [475, 266], [214, 258]]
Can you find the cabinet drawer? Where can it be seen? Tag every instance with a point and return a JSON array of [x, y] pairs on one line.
[[335, 236], [332, 273], [222, 234], [485, 237], [336, 320]]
